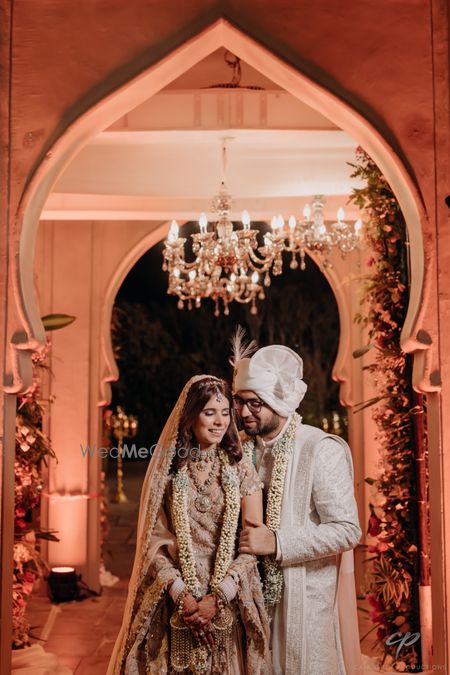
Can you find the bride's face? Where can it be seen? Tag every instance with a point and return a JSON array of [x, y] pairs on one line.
[[213, 421]]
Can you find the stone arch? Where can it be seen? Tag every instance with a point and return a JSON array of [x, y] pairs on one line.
[[139, 87]]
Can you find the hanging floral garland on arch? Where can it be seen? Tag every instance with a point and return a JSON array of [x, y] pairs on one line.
[[393, 579], [32, 448]]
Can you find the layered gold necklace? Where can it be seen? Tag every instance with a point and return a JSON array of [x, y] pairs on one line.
[[203, 501]]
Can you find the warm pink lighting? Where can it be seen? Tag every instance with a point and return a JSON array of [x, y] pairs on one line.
[[63, 570]]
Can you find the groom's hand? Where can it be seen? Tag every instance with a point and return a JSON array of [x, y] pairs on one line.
[[257, 539]]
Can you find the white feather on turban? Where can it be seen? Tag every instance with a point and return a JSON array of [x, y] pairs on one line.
[[275, 374]]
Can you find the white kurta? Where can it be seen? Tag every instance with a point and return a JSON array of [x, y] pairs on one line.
[[319, 521]]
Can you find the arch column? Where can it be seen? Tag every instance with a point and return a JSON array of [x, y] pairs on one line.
[[93, 252]]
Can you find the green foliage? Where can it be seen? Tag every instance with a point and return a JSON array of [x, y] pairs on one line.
[[56, 321]]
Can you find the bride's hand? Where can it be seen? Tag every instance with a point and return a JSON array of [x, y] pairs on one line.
[[200, 621], [204, 633], [206, 611], [190, 605]]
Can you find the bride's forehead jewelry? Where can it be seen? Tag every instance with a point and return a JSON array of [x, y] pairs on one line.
[[217, 390], [208, 381]]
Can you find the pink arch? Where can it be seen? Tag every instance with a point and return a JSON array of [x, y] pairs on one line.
[[141, 87]]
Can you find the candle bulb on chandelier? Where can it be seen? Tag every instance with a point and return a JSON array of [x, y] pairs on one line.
[[173, 232], [306, 212], [340, 215], [292, 223], [255, 277], [358, 226], [245, 218], [203, 222]]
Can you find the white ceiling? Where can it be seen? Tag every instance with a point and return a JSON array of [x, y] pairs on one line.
[[168, 152], [188, 164]]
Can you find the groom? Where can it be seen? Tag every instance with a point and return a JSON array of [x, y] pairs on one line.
[[311, 518]]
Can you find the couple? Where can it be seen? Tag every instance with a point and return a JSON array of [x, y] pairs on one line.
[[195, 599]]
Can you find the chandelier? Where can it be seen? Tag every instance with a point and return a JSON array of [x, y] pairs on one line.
[[229, 263]]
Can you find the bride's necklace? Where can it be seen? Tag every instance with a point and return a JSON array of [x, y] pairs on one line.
[[202, 457], [203, 501]]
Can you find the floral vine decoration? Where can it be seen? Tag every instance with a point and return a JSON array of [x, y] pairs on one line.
[[32, 448], [392, 583]]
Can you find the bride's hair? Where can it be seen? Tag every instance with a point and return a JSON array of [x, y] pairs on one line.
[[198, 396]]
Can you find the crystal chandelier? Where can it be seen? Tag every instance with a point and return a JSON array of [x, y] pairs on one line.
[[229, 263]]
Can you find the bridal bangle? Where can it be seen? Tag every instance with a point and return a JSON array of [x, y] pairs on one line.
[[222, 599], [177, 587]]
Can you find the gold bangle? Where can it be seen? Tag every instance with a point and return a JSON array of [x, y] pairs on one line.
[[179, 602], [222, 600]]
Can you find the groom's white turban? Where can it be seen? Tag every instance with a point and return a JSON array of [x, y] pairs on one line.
[[275, 374]]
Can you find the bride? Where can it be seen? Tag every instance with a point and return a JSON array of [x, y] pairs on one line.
[[194, 605]]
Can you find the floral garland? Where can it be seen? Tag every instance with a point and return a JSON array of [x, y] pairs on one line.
[[273, 574], [32, 447], [225, 551], [392, 587]]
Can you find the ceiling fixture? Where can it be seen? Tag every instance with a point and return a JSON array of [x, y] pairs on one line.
[[233, 62], [229, 263]]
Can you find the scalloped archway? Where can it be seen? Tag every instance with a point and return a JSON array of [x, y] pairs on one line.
[[139, 88]]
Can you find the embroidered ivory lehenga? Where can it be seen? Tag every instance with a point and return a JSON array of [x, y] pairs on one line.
[[205, 532], [144, 642]]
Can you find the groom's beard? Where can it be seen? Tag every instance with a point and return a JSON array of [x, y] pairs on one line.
[[262, 428]]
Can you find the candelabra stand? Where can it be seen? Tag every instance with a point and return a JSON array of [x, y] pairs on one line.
[[122, 426]]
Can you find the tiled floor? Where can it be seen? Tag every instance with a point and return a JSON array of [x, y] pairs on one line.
[[82, 634]]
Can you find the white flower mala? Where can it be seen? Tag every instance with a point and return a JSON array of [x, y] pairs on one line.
[[225, 550], [273, 574]]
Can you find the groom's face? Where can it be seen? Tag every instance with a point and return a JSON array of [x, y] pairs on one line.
[[256, 416]]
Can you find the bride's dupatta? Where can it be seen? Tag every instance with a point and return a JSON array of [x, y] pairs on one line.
[[142, 645]]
